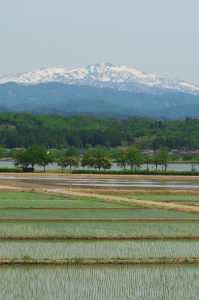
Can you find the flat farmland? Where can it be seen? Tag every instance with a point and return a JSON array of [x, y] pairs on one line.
[[37, 228]]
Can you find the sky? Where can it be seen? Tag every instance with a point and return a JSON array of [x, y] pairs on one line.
[[155, 36]]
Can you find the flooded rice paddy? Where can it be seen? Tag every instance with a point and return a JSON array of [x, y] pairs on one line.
[[111, 181], [38, 218], [98, 249], [159, 282]]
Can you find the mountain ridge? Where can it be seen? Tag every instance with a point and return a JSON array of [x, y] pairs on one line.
[[50, 98], [105, 75]]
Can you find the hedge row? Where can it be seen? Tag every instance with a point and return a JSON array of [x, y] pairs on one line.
[[10, 170], [137, 172]]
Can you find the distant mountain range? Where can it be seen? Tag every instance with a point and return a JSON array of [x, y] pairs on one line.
[[100, 89]]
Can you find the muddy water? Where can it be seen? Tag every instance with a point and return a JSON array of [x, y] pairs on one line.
[[109, 182]]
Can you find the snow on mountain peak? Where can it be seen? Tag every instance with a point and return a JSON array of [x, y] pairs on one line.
[[104, 75]]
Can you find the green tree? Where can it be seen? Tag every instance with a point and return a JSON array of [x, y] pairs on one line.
[[62, 162], [147, 160], [72, 151], [135, 158], [144, 142], [174, 157], [163, 157], [188, 157], [99, 153], [195, 162], [97, 158], [122, 158], [156, 161], [88, 161], [3, 152], [21, 159], [72, 162], [44, 157], [106, 163], [34, 155]]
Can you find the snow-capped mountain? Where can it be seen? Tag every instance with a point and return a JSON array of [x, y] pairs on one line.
[[104, 75]]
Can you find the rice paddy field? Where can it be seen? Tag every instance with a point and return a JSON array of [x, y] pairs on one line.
[[98, 228], [88, 214], [40, 227], [166, 197], [160, 282], [99, 249], [192, 200]]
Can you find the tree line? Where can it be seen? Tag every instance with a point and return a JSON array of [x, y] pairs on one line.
[[94, 158], [57, 132]]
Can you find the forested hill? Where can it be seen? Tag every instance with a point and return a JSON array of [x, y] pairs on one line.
[[53, 131], [56, 98]]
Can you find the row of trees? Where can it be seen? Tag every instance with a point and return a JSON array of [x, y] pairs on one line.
[[133, 158], [35, 155], [95, 158]]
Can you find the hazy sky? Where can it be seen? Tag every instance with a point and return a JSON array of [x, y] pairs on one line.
[[159, 36]]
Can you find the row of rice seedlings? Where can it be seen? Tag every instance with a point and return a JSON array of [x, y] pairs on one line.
[[189, 203], [68, 203], [96, 214], [108, 282], [99, 249], [27, 196], [139, 229]]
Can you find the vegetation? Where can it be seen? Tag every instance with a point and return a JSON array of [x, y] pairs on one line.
[[100, 282], [139, 172], [101, 249], [97, 158], [161, 158], [95, 242], [54, 131], [11, 170], [164, 197], [34, 155], [131, 214], [97, 143], [97, 228]]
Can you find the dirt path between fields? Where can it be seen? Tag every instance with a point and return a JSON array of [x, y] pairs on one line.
[[108, 198], [104, 197], [5, 188]]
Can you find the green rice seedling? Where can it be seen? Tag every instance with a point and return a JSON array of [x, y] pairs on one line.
[[115, 229], [95, 214], [100, 282], [56, 203], [161, 198], [26, 196], [99, 249]]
